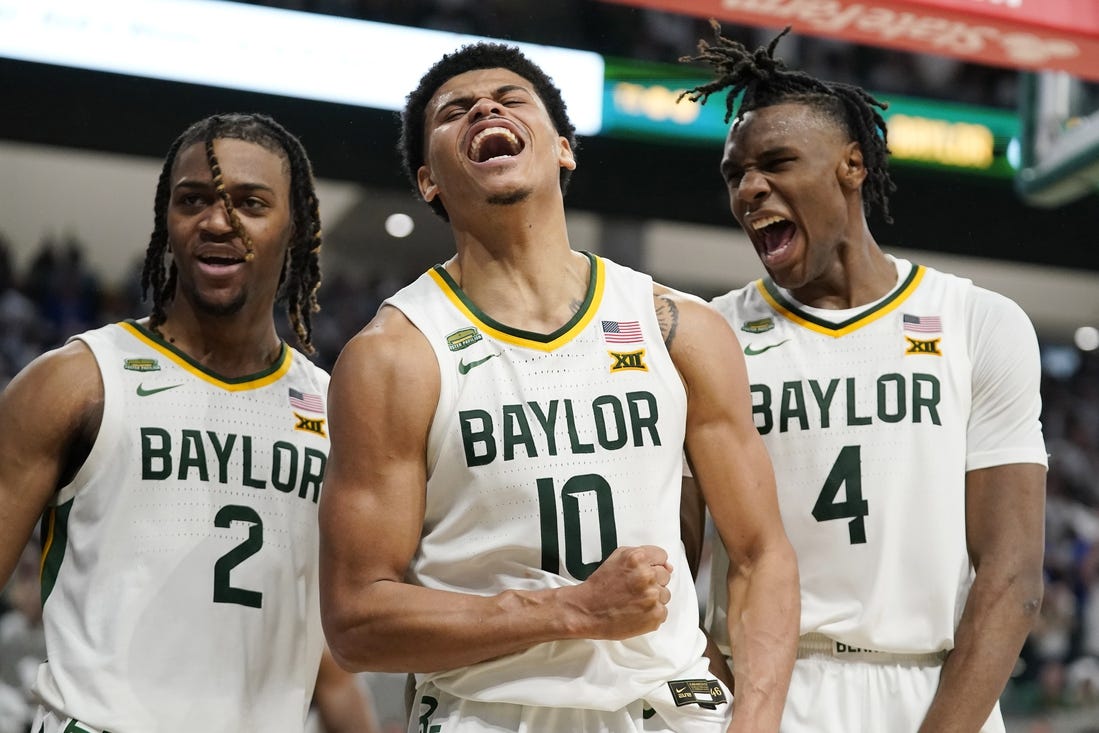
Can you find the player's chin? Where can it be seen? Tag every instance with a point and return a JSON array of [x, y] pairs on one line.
[[220, 303]]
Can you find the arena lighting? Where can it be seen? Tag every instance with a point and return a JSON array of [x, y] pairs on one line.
[[399, 225], [265, 50], [1086, 338]]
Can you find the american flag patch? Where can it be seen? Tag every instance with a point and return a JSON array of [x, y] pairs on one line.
[[622, 332], [922, 324], [306, 401]]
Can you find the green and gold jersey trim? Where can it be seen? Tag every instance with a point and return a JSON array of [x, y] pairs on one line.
[[55, 530], [518, 337], [793, 312], [236, 384]]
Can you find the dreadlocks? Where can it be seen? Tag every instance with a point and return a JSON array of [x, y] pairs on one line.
[[301, 275], [471, 58], [761, 80]]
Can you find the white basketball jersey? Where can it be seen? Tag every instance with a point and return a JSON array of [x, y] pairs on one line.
[[179, 572], [872, 417], [545, 454]]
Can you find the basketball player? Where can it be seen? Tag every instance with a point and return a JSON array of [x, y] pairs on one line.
[[900, 407], [501, 508], [178, 462]]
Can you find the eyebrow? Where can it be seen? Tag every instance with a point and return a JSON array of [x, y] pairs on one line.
[[469, 99], [778, 151], [196, 185]]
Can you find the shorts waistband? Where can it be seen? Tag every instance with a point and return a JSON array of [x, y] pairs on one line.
[[818, 646]]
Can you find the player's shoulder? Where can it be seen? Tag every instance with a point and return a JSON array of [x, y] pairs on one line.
[[63, 364], [976, 296], [738, 300], [686, 304], [983, 308], [62, 386], [686, 319], [390, 342]]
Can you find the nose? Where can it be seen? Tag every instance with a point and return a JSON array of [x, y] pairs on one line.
[[217, 220], [753, 188], [485, 107]]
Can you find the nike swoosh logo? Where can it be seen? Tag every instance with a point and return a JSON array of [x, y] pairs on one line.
[[464, 368], [749, 351], [142, 392]]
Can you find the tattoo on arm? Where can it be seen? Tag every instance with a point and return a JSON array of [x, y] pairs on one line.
[[667, 315]]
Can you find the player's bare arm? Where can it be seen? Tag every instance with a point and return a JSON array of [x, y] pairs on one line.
[[383, 395], [1005, 510], [342, 705], [51, 413], [731, 465]]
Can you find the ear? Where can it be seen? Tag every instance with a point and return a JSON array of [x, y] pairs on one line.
[[852, 170], [565, 158], [428, 189]]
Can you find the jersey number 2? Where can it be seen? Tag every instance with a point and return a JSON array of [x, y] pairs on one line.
[[847, 470], [225, 591]]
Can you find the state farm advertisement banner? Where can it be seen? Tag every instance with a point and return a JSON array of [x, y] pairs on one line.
[[1026, 34]]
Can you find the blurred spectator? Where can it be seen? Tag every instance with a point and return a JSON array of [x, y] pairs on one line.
[[22, 645]]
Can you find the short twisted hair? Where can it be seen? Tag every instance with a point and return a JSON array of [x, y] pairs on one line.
[[470, 58], [301, 275], [761, 80]]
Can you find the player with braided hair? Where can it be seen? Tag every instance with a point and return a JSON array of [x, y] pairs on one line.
[[176, 463], [301, 276], [900, 408]]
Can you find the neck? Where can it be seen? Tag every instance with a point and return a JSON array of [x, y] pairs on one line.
[[859, 273], [517, 266], [230, 346]]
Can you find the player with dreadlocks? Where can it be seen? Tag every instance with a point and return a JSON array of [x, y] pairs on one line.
[[300, 276], [176, 463], [900, 408]]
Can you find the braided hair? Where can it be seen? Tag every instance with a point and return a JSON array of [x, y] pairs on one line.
[[471, 58], [301, 275], [761, 80]]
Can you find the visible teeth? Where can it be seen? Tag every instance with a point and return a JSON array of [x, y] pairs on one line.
[[761, 223], [475, 146]]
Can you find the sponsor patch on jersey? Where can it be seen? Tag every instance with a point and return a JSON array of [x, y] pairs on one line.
[[141, 365], [922, 346], [760, 325], [310, 424], [463, 338], [630, 360], [706, 693]]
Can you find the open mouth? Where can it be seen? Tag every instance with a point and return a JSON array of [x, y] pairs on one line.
[[220, 260], [494, 143], [774, 233]]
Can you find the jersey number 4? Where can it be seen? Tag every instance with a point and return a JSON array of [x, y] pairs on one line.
[[224, 590], [846, 471]]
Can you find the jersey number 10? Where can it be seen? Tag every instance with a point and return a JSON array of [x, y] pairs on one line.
[[571, 492]]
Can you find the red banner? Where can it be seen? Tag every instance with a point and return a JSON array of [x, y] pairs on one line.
[[1025, 34]]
